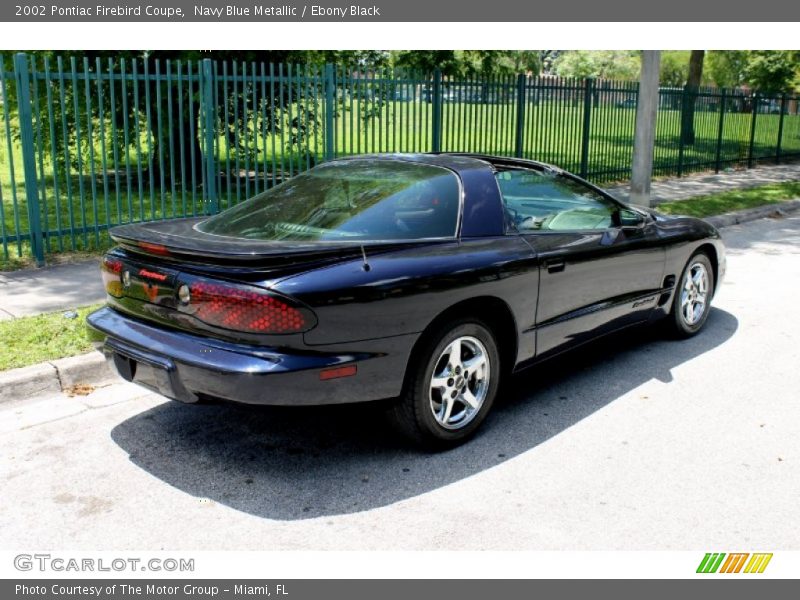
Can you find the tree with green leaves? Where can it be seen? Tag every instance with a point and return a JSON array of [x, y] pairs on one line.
[[489, 63], [599, 64], [674, 68], [772, 71], [425, 61], [726, 68]]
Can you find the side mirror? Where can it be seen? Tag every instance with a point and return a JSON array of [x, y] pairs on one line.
[[629, 219]]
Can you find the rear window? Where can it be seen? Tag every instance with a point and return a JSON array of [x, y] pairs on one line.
[[349, 200]]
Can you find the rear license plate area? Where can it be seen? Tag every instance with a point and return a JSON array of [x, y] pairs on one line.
[[155, 373]]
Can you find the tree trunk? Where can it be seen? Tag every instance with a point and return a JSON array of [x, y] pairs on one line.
[[181, 132], [690, 96], [645, 132]]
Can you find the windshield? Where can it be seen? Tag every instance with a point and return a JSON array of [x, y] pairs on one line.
[[349, 200]]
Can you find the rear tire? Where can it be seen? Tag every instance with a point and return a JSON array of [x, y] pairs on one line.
[[691, 302], [450, 385]]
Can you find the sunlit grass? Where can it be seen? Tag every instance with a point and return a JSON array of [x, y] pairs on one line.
[[723, 202], [30, 340]]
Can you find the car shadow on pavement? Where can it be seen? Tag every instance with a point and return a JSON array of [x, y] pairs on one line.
[[301, 463]]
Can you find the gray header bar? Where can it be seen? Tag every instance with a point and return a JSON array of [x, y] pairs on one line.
[[396, 11]]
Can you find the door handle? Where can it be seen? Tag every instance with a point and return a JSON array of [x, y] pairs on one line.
[[555, 266]]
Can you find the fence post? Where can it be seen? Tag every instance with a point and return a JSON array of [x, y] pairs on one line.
[[519, 142], [686, 98], [436, 137], [330, 112], [720, 132], [780, 130], [587, 123], [23, 82], [752, 132], [209, 109]]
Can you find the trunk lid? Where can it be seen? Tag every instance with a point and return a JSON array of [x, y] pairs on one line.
[[179, 241]]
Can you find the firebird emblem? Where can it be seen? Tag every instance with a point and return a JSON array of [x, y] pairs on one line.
[[152, 275], [151, 290]]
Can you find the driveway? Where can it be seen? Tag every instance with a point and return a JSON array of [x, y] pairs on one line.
[[634, 443]]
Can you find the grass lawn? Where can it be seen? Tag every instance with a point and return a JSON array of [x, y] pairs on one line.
[[31, 340], [723, 202]]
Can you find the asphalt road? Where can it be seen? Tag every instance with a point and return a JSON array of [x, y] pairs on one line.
[[635, 443]]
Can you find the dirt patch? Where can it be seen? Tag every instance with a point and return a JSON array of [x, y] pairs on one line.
[[80, 389]]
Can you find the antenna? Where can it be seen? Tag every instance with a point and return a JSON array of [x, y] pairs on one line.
[[365, 266]]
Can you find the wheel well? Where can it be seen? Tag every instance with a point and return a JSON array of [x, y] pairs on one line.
[[711, 252], [489, 309]]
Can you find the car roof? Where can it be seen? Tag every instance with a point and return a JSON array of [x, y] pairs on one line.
[[455, 161]]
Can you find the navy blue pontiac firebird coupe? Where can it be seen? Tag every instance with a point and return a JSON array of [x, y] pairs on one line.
[[415, 279]]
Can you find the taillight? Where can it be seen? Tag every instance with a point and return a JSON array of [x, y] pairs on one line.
[[154, 248], [111, 271], [248, 309]]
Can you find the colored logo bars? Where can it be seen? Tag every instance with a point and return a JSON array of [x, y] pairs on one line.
[[719, 562]]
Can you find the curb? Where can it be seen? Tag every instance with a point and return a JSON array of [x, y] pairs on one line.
[[751, 214], [53, 377], [91, 369]]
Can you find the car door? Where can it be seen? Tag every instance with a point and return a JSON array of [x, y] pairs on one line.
[[601, 264]]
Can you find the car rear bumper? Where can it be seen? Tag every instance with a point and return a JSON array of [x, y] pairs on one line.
[[186, 367]]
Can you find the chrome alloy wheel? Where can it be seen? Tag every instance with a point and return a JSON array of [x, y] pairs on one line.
[[460, 382], [694, 294]]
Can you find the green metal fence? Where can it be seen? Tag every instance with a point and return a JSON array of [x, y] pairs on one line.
[[86, 145]]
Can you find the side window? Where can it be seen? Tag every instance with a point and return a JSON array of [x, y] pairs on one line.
[[537, 200]]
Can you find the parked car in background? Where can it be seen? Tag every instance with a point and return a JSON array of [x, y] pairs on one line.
[[770, 106], [627, 103]]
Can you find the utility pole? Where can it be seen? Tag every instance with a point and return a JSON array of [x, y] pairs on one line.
[[645, 134]]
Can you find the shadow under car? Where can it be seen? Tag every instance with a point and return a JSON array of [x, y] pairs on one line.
[[290, 463]]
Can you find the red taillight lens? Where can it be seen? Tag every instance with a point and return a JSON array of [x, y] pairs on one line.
[[154, 248], [246, 309], [112, 265], [110, 271]]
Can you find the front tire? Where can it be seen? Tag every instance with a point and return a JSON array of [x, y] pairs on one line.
[[450, 385], [692, 300]]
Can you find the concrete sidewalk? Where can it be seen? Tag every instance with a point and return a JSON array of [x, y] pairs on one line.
[[679, 188], [60, 287], [50, 289]]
